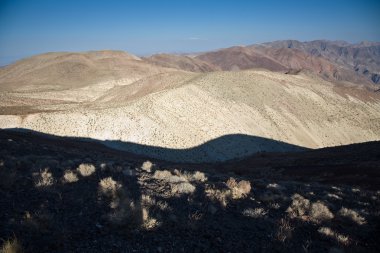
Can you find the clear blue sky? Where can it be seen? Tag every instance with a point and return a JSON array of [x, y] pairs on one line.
[[143, 27]]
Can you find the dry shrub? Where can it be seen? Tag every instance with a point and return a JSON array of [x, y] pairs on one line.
[[320, 212], [11, 246], [302, 208], [147, 166], [126, 213], [334, 196], [162, 174], [44, 178], [328, 232], [131, 214], [168, 176], [353, 215], [196, 176], [70, 177], [231, 183], [255, 213], [284, 231], [86, 169], [239, 190], [299, 206], [178, 183], [222, 196], [109, 187], [151, 203], [199, 176], [275, 186], [182, 188], [176, 179]]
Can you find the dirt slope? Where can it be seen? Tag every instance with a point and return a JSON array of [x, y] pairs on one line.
[[59, 71], [181, 62], [184, 111], [240, 58]]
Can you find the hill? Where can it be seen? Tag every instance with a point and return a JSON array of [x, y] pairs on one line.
[[181, 110]]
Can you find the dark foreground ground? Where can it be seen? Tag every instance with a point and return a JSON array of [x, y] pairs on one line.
[[64, 195]]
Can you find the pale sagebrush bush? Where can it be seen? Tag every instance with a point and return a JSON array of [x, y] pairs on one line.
[[168, 176], [275, 186], [353, 215], [302, 208], [133, 215], [231, 183], [182, 188], [86, 169], [222, 196], [176, 179], [299, 206], [258, 212], [244, 188], [334, 196], [151, 203], [196, 176], [125, 213], [239, 190], [109, 187], [162, 174], [320, 212], [44, 178], [11, 246], [147, 166], [70, 177], [199, 176], [328, 232]]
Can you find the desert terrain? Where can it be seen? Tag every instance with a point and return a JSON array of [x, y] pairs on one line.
[[272, 146]]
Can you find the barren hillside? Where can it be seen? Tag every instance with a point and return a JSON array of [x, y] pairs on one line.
[[60, 71], [362, 58], [181, 110], [181, 62]]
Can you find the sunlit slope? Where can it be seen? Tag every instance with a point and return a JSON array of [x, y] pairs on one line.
[[296, 109], [61, 71]]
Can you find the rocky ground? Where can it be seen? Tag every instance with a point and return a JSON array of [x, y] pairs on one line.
[[187, 111], [65, 195]]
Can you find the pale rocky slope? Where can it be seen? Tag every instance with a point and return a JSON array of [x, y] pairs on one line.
[[186, 110], [61, 71]]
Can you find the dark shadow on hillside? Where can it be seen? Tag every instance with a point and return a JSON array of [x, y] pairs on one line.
[[67, 195], [227, 147]]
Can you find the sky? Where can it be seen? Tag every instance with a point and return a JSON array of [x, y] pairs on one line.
[[144, 27]]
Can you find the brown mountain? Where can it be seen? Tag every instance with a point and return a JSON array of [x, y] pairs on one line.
[[181, 62], [363, 58], [55, 71], [240, 58]]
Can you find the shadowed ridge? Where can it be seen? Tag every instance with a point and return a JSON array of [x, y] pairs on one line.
[[227, 147]]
